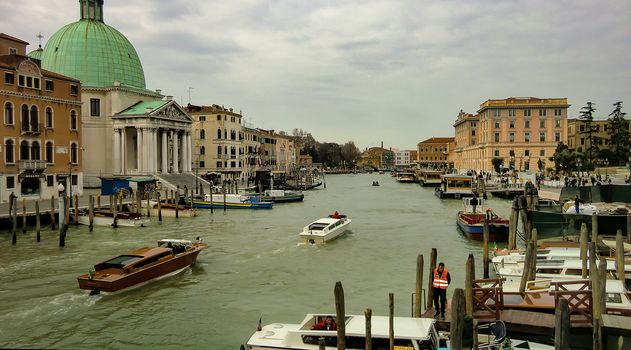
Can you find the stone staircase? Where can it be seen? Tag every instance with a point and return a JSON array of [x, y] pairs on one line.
[[171, 181]]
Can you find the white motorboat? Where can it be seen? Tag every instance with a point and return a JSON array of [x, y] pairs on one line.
[[106, 218], [325, 229], [555, 270], [516, 258], [409, 333], [406, 177]]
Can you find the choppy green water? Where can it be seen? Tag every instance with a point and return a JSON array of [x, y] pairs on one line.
[[254, 266]]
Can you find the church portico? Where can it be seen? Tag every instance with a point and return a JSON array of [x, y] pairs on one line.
[[159, 137]]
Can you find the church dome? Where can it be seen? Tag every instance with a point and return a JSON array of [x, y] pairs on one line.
[[93, 52], [37, 54]]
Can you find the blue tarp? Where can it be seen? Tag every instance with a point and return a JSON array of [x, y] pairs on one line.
[[112, 186]]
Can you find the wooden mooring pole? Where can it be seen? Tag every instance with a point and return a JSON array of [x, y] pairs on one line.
[[562, 325], [468, 284], [38, 223], [530, 261], [91, 213], [594, 228], [430, 286], [66, 213], [584, 241], [14, 220], [419, 287], [456, 327], [23, 215], [620, 256], [368, 315], [391, 320], [629, 228], [340, 315], [596, 305], [159, 206], [485, 246], [63, 203], [76, 209], [512, 225], [148, 205], [224, 196], [52, 213], [114, 216], [98, 202]]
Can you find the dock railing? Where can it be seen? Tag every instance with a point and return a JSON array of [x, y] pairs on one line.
[[579, 298], [488, 298]]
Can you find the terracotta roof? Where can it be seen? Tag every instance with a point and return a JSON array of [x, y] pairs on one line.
[[214, 109], [12, 61], [439, 140], [12, 38]]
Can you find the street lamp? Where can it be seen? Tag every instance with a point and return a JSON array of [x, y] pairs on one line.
[[70, 182]]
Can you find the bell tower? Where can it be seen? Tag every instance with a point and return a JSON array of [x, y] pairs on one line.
[[91, 10]]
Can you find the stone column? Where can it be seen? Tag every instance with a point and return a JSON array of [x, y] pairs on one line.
[[145, 150], [123, 151], [165, 162], [189, 145], [117, 152], [139, 154], [184, 152], [150, 149], [154, 146], [176, 156]]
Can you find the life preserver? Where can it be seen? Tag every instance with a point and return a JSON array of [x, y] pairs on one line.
[[440, 280]]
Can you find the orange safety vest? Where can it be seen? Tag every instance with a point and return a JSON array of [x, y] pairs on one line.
[[440, 281]]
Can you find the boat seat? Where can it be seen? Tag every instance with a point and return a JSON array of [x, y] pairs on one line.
[[496, 329]]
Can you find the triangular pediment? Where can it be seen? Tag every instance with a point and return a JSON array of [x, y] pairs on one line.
[[171, 111]]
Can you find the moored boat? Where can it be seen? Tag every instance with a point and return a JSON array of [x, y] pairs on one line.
[[141, 265], [280, 196], [412, 333], [325, 229], [232, 201], [406, 177], [471, 221], [428, 178], [455, 186], [106, 218], [168, 210]]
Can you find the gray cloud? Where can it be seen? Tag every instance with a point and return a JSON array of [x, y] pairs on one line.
[[371, 70]]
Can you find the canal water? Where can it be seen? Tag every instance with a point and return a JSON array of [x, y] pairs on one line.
[[254, 267]]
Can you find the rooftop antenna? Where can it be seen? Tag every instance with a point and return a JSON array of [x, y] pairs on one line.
[[39, 37], [190, 90]]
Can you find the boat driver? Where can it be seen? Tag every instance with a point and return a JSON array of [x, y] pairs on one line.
[[336, 215], [327, 325]]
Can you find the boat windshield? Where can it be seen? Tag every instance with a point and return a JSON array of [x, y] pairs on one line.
[[318, 226], [121, 261]]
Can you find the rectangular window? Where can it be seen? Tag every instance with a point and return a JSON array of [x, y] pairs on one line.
[[50, 85], [542, 112], [557, 136], [74, 90], [50, 180], [527, 112], [74, 180], [497, 137], [542, 123], [511, 124], [511, 137], [219, 164], [21, 80], [36, 83], [582, 141], [95, 107], [542, 137], [557, 112], [511, 152], [202, 164], [527, 123], [219, 117], [497, 153], [10, 182], [496, 112], [582, 128], [202, 118], [9, 78], [497, 123], [511, 112], [527, 137], [527, 153], [29, 82], [542, 153]]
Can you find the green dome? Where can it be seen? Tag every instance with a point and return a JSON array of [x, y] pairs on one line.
[[94, 53], [37, 54]]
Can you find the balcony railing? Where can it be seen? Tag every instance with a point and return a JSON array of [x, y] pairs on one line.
[[32, 165]]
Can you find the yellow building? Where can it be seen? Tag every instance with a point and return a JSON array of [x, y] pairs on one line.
[[434, 152], [578, 140], [520, 130], [41, 127], [377, 158]]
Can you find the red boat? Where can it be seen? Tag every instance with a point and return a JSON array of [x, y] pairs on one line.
[[141, 265], [471, 222]]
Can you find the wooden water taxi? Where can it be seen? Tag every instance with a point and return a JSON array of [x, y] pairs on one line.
[[325, 229], [142, 265], [455, 186]]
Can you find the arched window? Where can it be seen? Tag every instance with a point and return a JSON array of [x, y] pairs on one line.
[[218, 133], [233, 150], [35, 151], [24, 150], [49, 152], [73, 120], [219, 150], [202, 150], [24, 118], [74, 157], [225, 133], [202, 134], [8, 113], [8, 151], [49, 117], [233, 135], [34, 119]]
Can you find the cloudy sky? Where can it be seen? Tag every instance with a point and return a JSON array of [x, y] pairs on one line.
[[364, 70]]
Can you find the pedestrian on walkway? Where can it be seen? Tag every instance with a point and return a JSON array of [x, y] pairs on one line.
[[442, 279]]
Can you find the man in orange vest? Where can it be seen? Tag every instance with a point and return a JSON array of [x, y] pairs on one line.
[[441, 281]]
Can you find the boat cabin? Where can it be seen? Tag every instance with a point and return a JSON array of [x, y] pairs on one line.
[[136, 259], [323, 224], [455, 186]]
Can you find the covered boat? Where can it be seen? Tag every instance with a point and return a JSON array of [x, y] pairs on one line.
[[232, 201], [141, 265], [168, 209], [325, 229], [406, 177], [428, 178], [279, 196], [455, 186], [471, 221], [106, 218]]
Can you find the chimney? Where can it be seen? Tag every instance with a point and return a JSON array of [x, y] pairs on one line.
[[381, 144], [169, 98], [159, 91]]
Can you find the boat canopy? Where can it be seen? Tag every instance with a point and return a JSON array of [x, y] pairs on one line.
[[404, 327]]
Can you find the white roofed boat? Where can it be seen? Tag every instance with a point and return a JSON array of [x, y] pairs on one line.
[[325, 229]]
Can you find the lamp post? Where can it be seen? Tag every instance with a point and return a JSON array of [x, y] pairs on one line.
[[70, 182], [62, 213]]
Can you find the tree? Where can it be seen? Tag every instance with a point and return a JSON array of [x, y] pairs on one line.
[[619, 136], [350, 153], [540, 165], [587, 116], [497, 164], [563, 159]]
